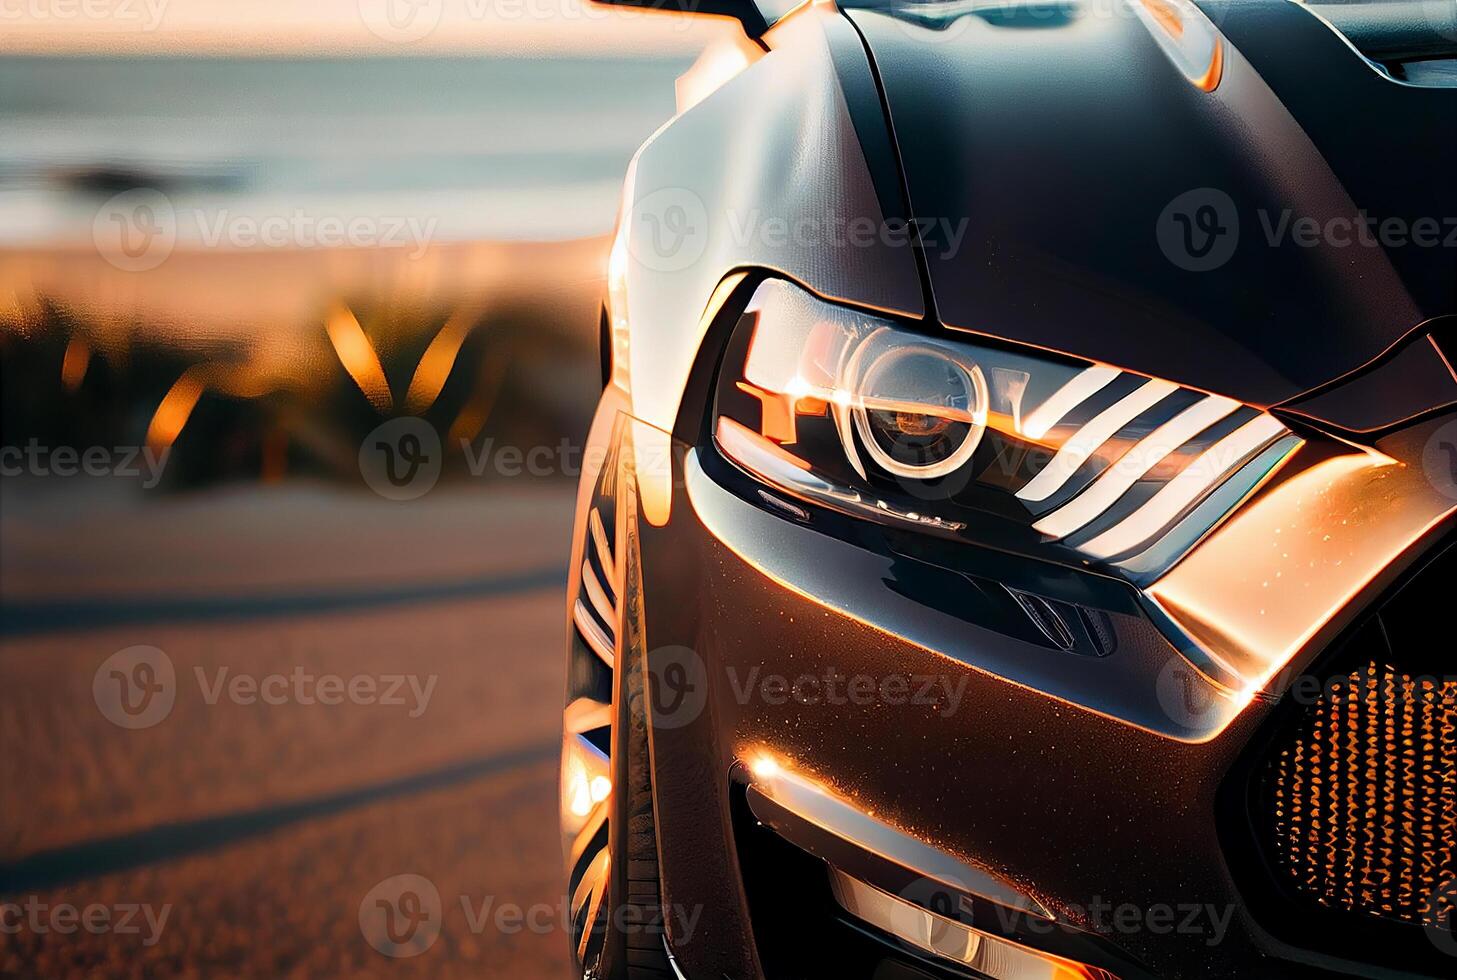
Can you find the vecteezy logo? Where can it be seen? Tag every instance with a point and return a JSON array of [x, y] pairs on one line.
[[1199, 229], [135, 230], [1439, 460], [677, 686], [400, 916], [668, 230], [401, 459], [1186, 697], [401, 21], [136, 687]]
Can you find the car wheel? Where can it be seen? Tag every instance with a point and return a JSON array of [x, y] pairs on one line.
[[608, 823]]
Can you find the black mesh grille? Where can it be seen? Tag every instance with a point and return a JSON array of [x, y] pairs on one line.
[[1361, 801]]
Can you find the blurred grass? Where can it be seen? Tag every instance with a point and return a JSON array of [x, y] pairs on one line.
[[516, 366]]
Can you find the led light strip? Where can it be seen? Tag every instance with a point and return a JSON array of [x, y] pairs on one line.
[[1086, 440], [1065, 399], [1135, 464], [777, 792], [989, 955], [1187, 486]]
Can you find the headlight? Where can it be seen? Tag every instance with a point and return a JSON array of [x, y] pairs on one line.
[[1248, 546], [1021, 450]]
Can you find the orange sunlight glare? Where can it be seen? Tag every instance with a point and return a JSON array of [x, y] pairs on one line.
[[504, 27]]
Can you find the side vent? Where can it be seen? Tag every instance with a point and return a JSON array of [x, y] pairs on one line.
[[1073, 629]]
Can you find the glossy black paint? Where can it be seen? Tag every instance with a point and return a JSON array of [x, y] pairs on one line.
[[1413, 378], [1063, 144]]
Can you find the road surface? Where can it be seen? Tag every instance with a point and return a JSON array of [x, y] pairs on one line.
[[239, 831]]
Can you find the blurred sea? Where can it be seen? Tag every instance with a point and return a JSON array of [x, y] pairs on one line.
[[491, 148]]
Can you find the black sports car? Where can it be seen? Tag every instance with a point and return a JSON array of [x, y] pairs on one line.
[[1019, 514]]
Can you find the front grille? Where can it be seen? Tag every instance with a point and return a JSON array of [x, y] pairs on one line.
[[1361, 801], [1341, 820]]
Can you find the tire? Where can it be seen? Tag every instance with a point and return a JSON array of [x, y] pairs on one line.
[[617, 928]]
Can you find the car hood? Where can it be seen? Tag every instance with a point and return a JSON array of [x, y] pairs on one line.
[[1109, 207]]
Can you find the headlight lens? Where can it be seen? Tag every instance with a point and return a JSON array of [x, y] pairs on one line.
[[920, 411], [1016, 449]]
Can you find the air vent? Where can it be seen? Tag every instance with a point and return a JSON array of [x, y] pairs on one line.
[[1074, 629]]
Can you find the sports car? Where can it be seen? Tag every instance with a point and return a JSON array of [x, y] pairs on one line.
[[1018, 515]]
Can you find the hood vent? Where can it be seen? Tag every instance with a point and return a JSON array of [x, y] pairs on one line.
[[1415, 41]]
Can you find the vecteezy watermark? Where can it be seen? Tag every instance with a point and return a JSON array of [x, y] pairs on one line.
[[1199, 230], [138, 687], [944, 236], [401, 21], [566, 458], [1192, 700], [669, 229], [1360, 230], [135, 230], [567, 11], [138, 230], [404, 915], [1143, 458], [679, 681], [410, 21], [117, 919], [128, 462], [299, 686], [943, 23], [677, 686], [1441, 918], [1200, 919], [1101, 916], [941, 693], [1309, 690], [1185, 695], [401, 459], [144, 15], [1439, 460], [401, 916]]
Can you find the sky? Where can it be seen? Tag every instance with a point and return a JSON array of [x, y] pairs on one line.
[[518, 27]]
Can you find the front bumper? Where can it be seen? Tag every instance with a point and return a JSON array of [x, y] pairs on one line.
[[1092, 787]]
